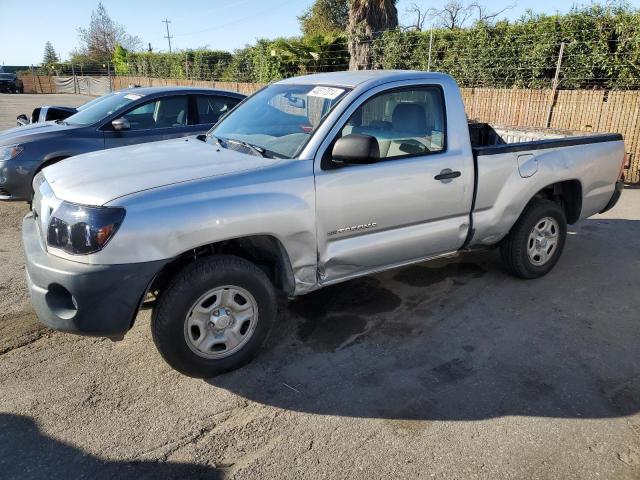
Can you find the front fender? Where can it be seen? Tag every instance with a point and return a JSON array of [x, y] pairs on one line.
[[166, 222]]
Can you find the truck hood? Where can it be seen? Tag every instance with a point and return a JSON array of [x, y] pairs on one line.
[[99, 177], [34, 131]]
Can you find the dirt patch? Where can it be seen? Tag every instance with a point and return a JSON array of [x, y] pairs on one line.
[[18, 330]]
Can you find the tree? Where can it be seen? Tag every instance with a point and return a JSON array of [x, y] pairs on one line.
[[120, 60], [454, 14], [312, 54], [418, 15], [325, 17], [457, 14], [486, 16], [98, 41], [50, 55], [367, 19]]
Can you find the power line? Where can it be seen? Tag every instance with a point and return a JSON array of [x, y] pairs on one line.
[[168, 37]]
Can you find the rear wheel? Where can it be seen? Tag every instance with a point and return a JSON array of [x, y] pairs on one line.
[[214, 316], [536, 241]]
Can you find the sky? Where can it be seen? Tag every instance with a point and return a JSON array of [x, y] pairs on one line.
[[216, 24]]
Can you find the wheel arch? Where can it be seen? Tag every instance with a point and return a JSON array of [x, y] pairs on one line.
[[45, 163], [567, 193], [265, 251], [49, 161]]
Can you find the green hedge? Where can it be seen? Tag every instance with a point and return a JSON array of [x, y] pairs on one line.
[[191, 64], [602, 49], [265, 61]]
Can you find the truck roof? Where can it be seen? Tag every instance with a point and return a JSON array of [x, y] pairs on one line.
[[359, 77]]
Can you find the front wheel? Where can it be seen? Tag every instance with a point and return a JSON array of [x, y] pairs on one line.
[[214, 316], [536, 241]]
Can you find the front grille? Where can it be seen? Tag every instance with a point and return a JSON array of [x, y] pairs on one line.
[[4, 192]]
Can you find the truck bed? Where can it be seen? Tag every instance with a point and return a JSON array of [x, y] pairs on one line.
[[513, 163], [488, 139]]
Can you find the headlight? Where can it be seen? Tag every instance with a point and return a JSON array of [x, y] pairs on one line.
[[82, 230], [10, 151]]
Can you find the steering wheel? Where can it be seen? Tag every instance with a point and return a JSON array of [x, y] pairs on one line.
[[413, 146]]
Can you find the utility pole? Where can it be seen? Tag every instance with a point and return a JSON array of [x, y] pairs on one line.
[[150, 49], [168, 37]]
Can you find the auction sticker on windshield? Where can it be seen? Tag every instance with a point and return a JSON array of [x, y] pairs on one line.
[[326, 92]]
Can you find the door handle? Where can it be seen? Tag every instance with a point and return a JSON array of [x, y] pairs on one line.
[[447, 174]]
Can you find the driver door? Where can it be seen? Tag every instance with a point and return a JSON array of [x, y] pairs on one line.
[[159, 119], [394, 211]]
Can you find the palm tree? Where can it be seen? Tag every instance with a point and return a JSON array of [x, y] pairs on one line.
[[366, 19], [317, 53]]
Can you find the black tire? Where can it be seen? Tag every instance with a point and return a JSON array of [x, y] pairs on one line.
[[173, 306], [513, 248]]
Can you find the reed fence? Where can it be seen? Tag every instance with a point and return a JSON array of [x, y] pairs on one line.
[[614, 111]]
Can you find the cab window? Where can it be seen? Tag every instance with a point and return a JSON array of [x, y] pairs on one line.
[[164, 112], [405, 122], [212, 107]]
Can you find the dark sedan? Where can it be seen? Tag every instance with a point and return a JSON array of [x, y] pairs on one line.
[[9, 82], [121, 118]]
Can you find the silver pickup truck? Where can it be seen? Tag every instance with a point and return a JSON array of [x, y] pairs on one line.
[[311, 181]]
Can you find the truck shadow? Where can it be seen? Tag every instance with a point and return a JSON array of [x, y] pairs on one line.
[[26, 453], [462, 340]]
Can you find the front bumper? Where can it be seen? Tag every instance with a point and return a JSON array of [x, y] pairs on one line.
[[15, 179], [8, 87], [615, 197], [98, 300]]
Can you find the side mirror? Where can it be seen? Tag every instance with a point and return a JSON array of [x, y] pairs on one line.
[[356, 149], [120, 124], [22, 120]]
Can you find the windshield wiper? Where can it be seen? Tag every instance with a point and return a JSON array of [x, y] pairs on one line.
[[254, 148], [61, 122]]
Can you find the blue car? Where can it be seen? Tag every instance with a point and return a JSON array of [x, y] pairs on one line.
[[120, 118]]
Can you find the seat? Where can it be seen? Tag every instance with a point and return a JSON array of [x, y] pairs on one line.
[[171, 112], [409, 118]]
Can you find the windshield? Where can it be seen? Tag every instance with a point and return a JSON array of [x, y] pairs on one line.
[[102, 109], [279, 119], [94, 101]]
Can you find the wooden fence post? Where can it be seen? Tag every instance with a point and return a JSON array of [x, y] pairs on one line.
[[430, 48], [554, 90], [33, 79]]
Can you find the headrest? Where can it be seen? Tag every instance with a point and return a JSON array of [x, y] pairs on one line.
[[409, 117]]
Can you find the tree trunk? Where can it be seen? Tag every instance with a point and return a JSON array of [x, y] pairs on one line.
[[367, 19]]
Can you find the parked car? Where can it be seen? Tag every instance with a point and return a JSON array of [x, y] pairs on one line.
[[10, 83], [50, 113], [122, 118], [46, 114], [311, 181]]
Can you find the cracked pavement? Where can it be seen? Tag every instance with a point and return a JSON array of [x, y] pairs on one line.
[[444, 370]]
